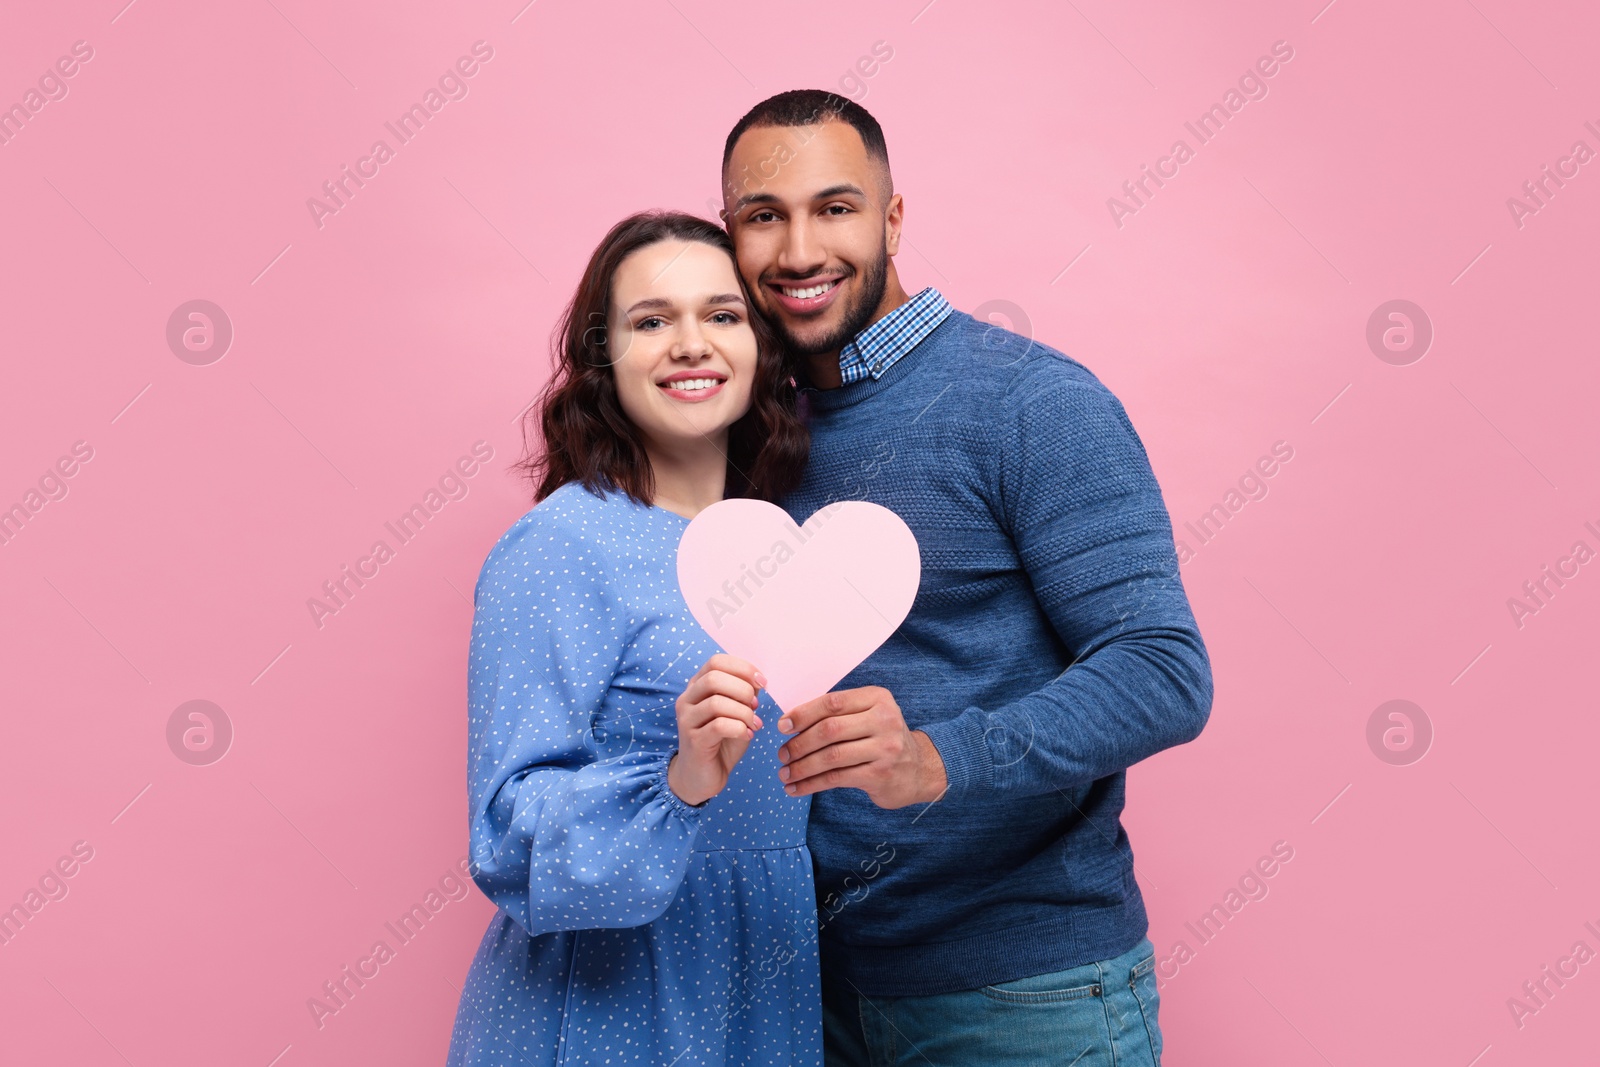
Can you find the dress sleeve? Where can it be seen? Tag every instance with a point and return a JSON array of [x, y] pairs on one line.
[[560, 839]]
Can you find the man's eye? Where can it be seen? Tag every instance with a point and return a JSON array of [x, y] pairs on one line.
[[837, 209], [762, 216]]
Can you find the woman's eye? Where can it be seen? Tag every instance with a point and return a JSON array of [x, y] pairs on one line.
[[725, 318], [648, 324]]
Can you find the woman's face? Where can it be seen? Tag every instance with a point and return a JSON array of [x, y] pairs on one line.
[[682, 349]]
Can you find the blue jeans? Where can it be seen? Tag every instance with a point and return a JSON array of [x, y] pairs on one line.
[[1098, 1015]]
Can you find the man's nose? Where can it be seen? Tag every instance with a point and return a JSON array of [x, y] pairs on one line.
[[801, 254]]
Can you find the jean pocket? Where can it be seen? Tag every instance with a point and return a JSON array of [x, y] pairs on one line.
[[1045, 988], [1142, 980]]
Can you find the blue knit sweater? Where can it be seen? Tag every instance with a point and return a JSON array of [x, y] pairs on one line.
[[1050, 647]]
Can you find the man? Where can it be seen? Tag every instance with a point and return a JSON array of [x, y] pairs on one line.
[[978, 903]]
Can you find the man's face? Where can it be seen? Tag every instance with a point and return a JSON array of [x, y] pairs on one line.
[[814, 226]]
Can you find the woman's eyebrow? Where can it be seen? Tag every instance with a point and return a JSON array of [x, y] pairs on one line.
[[652, 303]]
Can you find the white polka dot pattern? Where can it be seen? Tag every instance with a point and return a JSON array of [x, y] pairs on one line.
[[633, 929]]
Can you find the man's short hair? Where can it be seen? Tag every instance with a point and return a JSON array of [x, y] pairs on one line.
[[808, 107]]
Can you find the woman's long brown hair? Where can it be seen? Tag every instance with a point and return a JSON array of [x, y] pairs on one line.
[[586, 435]]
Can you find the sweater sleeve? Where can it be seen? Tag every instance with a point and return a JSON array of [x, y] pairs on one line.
[[1090, 528], [560, 839]]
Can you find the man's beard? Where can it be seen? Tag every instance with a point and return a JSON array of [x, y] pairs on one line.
[[855, 315]]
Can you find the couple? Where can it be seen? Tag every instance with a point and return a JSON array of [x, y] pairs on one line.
[[669, 851]]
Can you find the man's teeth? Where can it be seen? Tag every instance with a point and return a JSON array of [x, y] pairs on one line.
[[691, 384], [808, 292]]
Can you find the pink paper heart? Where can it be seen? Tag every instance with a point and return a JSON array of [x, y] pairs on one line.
[[805, 604]]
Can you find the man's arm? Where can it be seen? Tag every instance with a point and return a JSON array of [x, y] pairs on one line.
[[1083, 508]]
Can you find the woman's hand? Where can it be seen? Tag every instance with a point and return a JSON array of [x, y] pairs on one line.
[[716, 720]]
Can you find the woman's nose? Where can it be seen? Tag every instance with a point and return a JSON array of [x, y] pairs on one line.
[[691, 343]]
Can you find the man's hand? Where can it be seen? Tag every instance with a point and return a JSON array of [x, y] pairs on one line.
[[857, 738]]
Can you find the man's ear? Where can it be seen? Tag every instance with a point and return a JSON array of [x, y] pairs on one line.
[[893, 218]]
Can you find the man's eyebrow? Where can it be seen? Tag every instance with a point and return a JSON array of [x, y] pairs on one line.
[[843, 189], [754, 198], [839, 190]]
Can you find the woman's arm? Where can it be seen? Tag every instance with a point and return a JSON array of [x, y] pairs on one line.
[[561, 841]]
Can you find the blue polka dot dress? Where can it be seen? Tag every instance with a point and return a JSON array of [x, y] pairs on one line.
[[633, 928]]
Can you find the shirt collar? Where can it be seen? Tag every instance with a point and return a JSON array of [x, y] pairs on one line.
[[875, 349]]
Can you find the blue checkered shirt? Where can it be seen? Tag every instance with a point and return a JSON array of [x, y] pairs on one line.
[[875, 349]]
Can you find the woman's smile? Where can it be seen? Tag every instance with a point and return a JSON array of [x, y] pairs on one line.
[[693, 387]]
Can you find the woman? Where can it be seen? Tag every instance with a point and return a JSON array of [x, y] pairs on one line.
[[654, 887]]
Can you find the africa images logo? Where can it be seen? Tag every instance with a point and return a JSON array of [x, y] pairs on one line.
[[1252, 85], [452, 85]]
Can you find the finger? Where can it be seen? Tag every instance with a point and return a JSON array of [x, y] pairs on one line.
[[829, 731], [841, 702], [844, 755], [856, 776], [723, 728], [718, 681], [718, 706], [736, 687], [737, 666]]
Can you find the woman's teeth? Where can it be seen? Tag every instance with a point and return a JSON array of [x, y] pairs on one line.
[[691, 384], [808, 292]]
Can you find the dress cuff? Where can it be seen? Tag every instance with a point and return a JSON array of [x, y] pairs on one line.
[[683, 808]]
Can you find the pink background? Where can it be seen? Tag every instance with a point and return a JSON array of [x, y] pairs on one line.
[[1228, 313]]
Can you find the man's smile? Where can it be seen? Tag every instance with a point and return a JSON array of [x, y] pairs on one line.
[[807, 295]]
